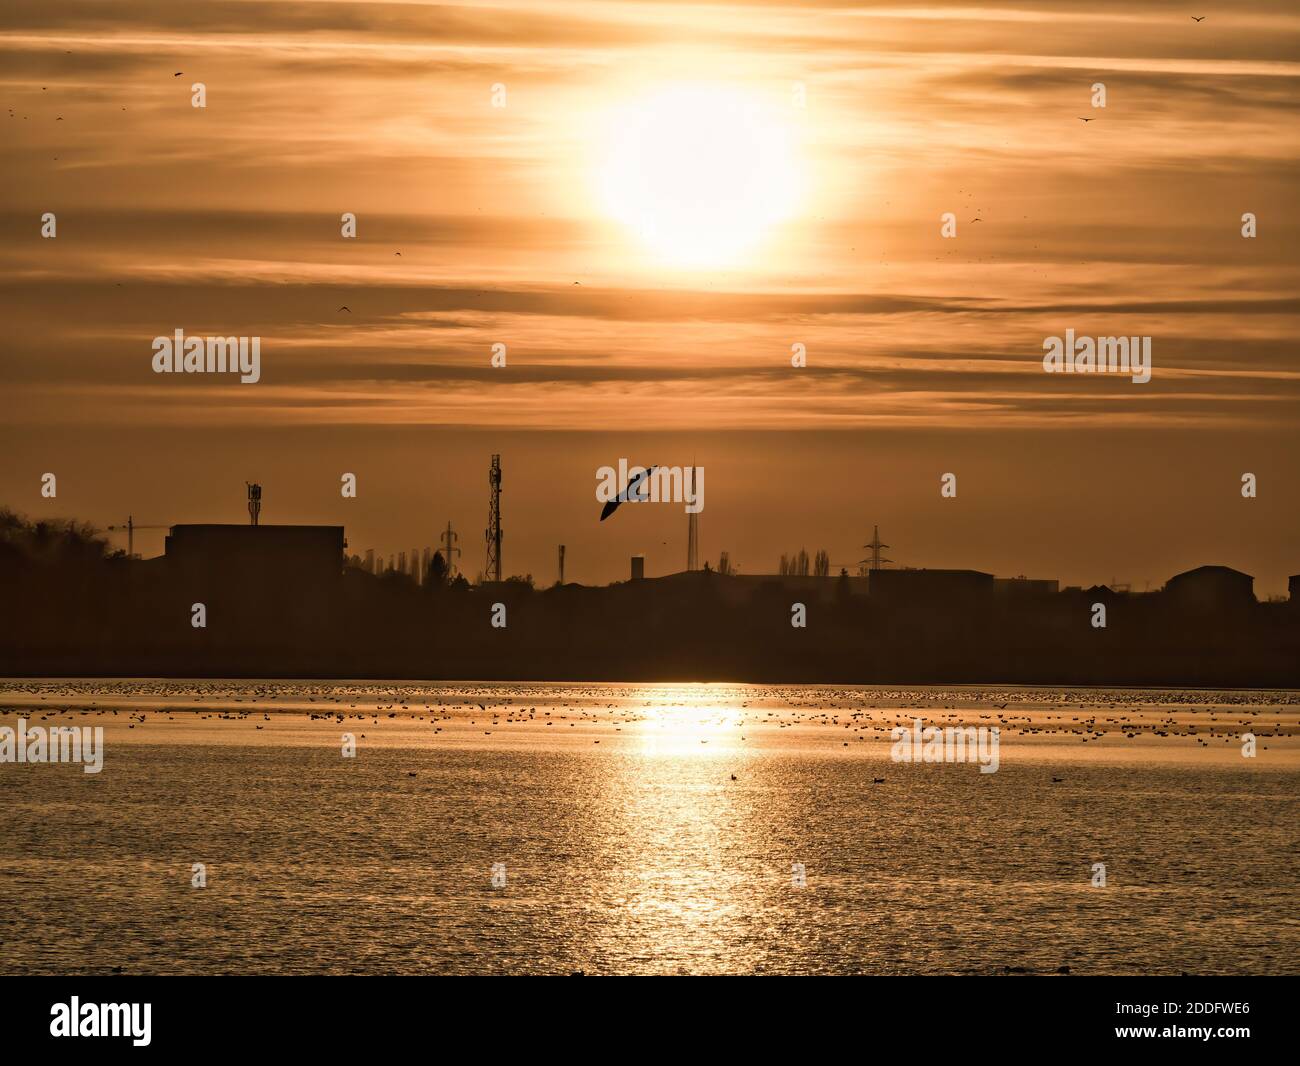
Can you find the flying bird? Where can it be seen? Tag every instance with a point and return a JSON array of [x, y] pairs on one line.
[[1198, 18], [632, 490], [178, 74], [1083, 119], [346, 308]]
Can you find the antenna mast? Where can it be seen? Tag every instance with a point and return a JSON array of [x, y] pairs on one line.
[[493, 533]]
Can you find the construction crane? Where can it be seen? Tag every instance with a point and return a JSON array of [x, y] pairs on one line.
[[130, 528]]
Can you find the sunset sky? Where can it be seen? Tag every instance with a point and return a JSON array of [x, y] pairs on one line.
[[852, 129]]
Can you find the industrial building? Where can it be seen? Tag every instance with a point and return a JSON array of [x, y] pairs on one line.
[[1211, 588], [929, 588], [1021, 587], [253, 555]]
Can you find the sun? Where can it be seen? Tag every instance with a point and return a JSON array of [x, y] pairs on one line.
[[700, 173]]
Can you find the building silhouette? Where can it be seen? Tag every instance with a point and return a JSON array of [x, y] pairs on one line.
[[1210, 588]]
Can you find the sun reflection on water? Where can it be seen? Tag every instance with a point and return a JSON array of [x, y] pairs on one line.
[[679, 720]]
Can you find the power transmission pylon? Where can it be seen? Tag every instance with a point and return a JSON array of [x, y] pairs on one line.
[[877, 561], [449, 538]]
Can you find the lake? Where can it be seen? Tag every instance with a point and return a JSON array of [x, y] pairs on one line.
[[613, 828]]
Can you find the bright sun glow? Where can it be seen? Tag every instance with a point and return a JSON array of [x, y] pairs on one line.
[[701, 173]]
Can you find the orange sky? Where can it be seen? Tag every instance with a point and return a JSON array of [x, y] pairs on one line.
[[924, 353]]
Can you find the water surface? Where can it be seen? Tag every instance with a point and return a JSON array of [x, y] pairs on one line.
[[628, 846]]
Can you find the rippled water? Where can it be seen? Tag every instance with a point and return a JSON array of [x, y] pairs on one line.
[[627, 845]]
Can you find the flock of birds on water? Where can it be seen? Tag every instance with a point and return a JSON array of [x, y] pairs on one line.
[[866, 714]]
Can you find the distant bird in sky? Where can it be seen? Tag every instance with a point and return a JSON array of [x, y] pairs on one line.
[[977, 220], [633, 487], [1083, 119], [178, 74], [346, 308], [397, 253], [1198, 18]]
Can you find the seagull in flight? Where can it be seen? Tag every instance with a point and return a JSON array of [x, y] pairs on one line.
[[1198, 18], [1083, 119], [631, 492], [346, 308]]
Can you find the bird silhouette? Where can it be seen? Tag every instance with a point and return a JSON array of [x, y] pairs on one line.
[[178, 74], [633, 487], [1083, 119], [346, 308], [1198, 18]]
